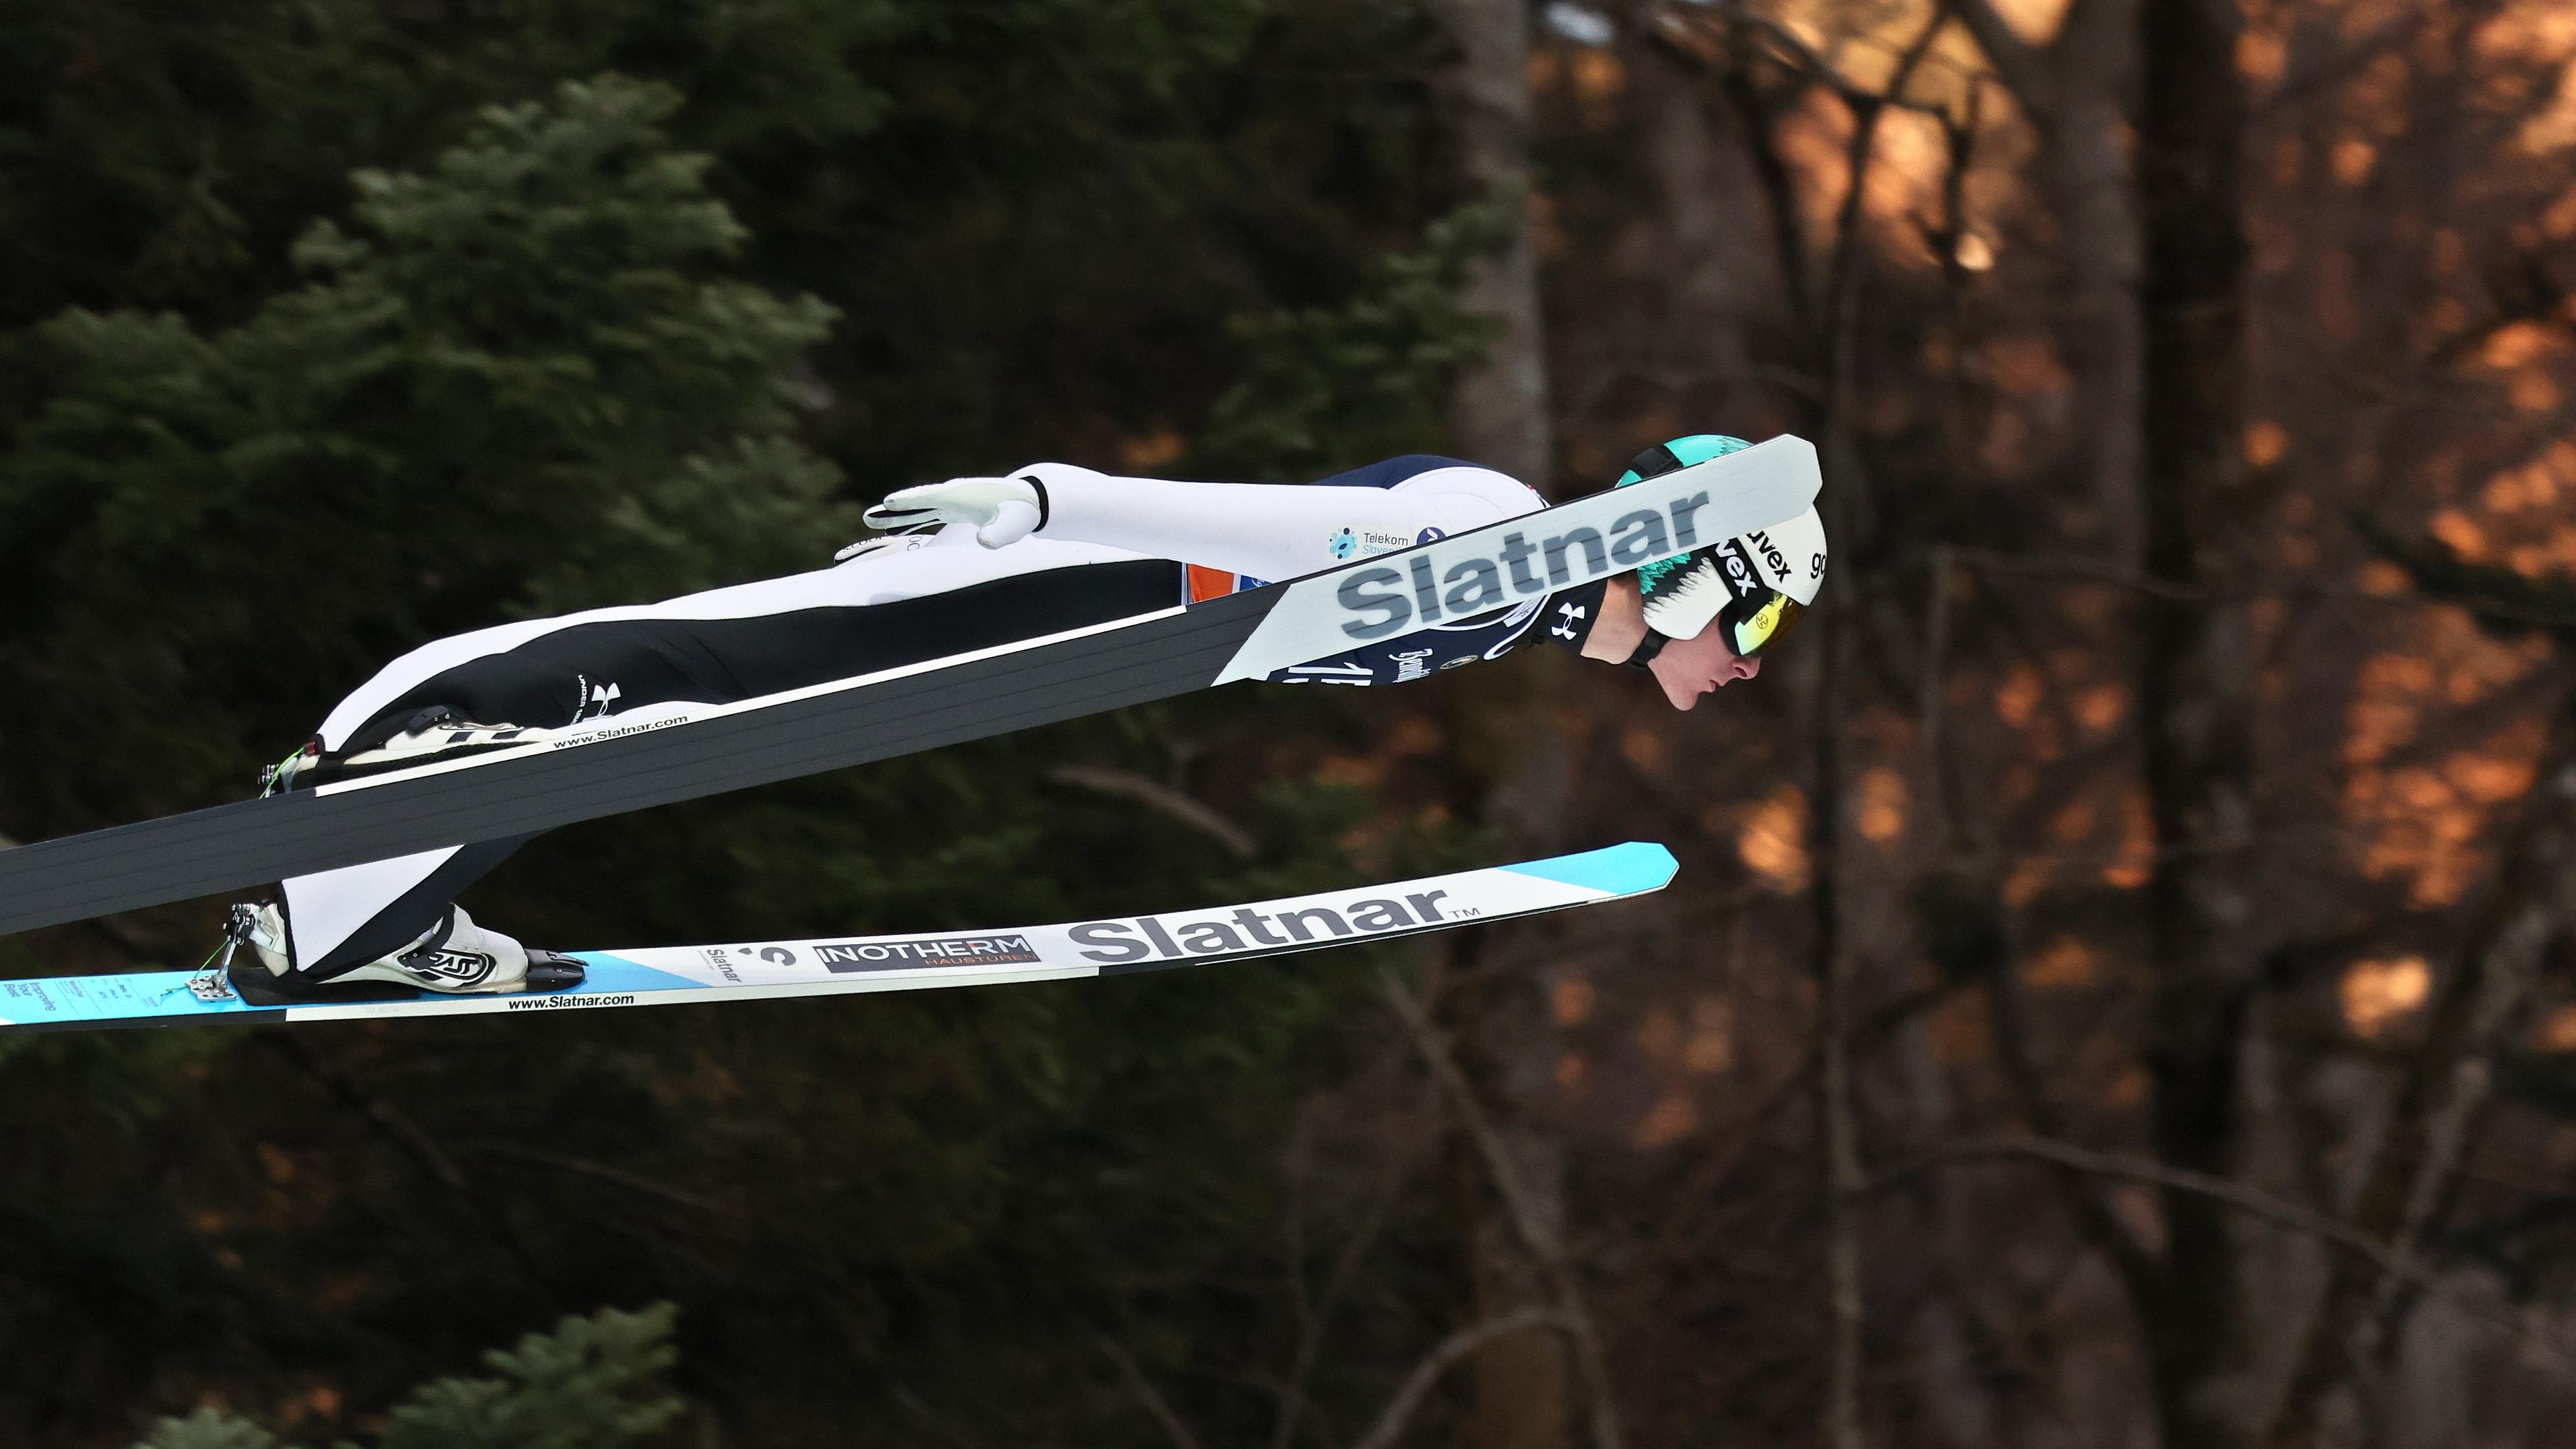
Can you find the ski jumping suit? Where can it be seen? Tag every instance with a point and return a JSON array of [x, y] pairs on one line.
[[1108, 548]]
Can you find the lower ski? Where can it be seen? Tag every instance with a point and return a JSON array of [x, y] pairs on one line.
[[828, 966], [632, 764]]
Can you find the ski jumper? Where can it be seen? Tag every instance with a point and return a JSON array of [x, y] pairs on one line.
[[1108, 548]]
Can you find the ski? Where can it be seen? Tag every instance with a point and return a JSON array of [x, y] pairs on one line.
[[833, 966], [632, 764]]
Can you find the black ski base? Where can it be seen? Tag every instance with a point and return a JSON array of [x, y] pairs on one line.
[[253, 983]]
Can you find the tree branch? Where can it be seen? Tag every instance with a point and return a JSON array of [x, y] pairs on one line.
[[2093, 1216], [2251, 1201], [2537, 908], [1528, 1224], [2020, 65], [634, 1182], [1426, 1374], [1312, 1318], [1162, 799], [415, 1142], [1151, 1401]]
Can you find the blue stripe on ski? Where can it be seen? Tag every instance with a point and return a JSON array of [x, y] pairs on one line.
[[49, 1000], [606, 971], [1618, 869]]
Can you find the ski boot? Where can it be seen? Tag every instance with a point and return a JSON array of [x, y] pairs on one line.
[[455, 956], [433, 735], [900, 540]]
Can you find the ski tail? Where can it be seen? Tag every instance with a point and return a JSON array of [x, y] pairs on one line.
[[832, 966]]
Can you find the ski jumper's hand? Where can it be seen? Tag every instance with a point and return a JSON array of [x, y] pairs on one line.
[[1002, 511]]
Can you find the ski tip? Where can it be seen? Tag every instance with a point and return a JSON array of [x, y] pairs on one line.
[[1633, 868]]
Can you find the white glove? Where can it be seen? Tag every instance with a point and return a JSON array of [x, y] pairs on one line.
[[1002, 510]]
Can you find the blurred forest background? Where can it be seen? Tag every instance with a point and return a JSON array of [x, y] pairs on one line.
[[2119, 989]]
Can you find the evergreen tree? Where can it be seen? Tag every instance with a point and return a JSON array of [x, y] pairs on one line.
[[518, 383], [593, 1383]]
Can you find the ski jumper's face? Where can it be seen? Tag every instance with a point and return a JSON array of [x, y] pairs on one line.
[[1689, 668]]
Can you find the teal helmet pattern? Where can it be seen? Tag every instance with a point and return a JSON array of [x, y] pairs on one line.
[[1754, 585]]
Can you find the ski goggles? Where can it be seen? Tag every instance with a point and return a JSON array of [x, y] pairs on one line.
[[1759, 620]]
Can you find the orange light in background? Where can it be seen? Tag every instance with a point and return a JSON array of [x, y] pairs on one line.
[[1644, 749], [1668, 1122], [1883, 798], [2035, 21], [1598, 80], [2134, 865], [1711, 1045], [2460, 532], [2064, 961], [2018, 700], [1769, 840], [2100, 707], [1415, 734], [2377, 994], [1151, 450], [2420, 822], [2026, 367], [1352, 772], [2518, 344], [2074, 821], [2261, 56], [1907, 158], [1814, 137], [321, 1401], [2265, 442], [1572, 1000]]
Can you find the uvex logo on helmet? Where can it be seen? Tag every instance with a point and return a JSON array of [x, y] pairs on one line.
[[1770, 552], [1512, 569], [1739, 574]]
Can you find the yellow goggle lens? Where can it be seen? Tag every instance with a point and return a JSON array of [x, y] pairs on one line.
[[1759, 628]]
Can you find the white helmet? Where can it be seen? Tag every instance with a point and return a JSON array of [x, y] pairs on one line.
[[1754, 585]]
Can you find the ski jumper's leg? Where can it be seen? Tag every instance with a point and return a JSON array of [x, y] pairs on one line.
[[941, 596], [337, 919]]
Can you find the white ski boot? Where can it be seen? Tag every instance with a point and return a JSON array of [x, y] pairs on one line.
[[441, 734], [435, 734], [454, 956]]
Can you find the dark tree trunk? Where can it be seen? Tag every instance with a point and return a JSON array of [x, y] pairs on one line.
[[2197, 699], [1499, 412]]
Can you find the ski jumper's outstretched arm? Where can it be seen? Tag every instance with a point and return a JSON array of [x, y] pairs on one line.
[[1260, 530]]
